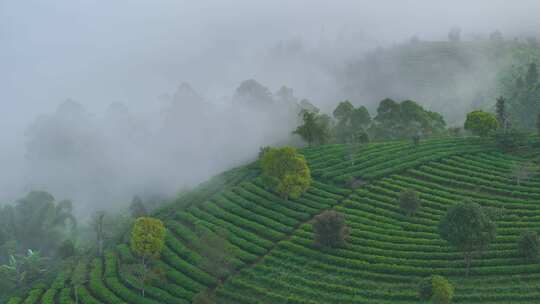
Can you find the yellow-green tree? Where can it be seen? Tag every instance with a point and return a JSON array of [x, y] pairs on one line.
[[285, 171], [147, 241], [481, 123]]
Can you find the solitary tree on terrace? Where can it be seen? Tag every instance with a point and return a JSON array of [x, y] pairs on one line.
[[468, 227], [522, 171], [330, 229], [409, 201], [528, 244], [147, 241], [285, 171]]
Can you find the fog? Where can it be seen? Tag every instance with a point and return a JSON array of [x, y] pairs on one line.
[[152, 85]]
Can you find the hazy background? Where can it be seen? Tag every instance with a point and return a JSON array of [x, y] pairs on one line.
[[135, 55]]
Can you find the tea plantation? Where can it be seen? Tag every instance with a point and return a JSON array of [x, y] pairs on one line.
[[273, 258]]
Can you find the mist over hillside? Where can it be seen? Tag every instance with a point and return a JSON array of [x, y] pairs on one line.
[[157, 98]]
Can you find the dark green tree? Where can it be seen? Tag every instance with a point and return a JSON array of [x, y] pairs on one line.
[[314, 129], [531, 78], [360, 119], [343, 110], [216, 253], [350, 120], [36, 222], [502, 116], [468, 227], [405, 120], [528, 244], [510, 140], [330, 229], [409, 201]]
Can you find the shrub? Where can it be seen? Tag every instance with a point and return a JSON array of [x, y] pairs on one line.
[[442, 290], [409, 201], [528, 244], [437, 289], [330, 229]]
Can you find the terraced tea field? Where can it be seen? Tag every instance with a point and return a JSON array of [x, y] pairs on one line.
[[272, 253]]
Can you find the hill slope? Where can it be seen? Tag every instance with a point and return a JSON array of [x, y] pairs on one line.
[[272, 251]]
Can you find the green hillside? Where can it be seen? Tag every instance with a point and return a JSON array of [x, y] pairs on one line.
[[273, 257]]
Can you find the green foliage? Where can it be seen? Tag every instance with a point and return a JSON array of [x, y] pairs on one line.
[[36, 222], [343, 110], [468, 227], [147, 237], [442, 290], [481, 123], [330, 229], [531, 78], [216, 252], [22, 270], [509, 140], [315, 128], [528, 244], [501, 113], [437, 289], [523, 171], [409, 201], [286, 172], [520, 84], [351, 121], [404, 120]]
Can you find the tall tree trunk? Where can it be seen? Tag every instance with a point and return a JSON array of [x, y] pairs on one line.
[[144, 274], [100, 245]]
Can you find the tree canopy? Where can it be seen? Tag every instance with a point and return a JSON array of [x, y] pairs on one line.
[[330, 229], [285, 171], [147, 237], [468, 227], [522, 88], [35, 222], [406, 119], [314, 129], [481, 123], [350, 121]]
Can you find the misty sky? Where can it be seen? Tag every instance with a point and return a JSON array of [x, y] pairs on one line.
[[99, 52]]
